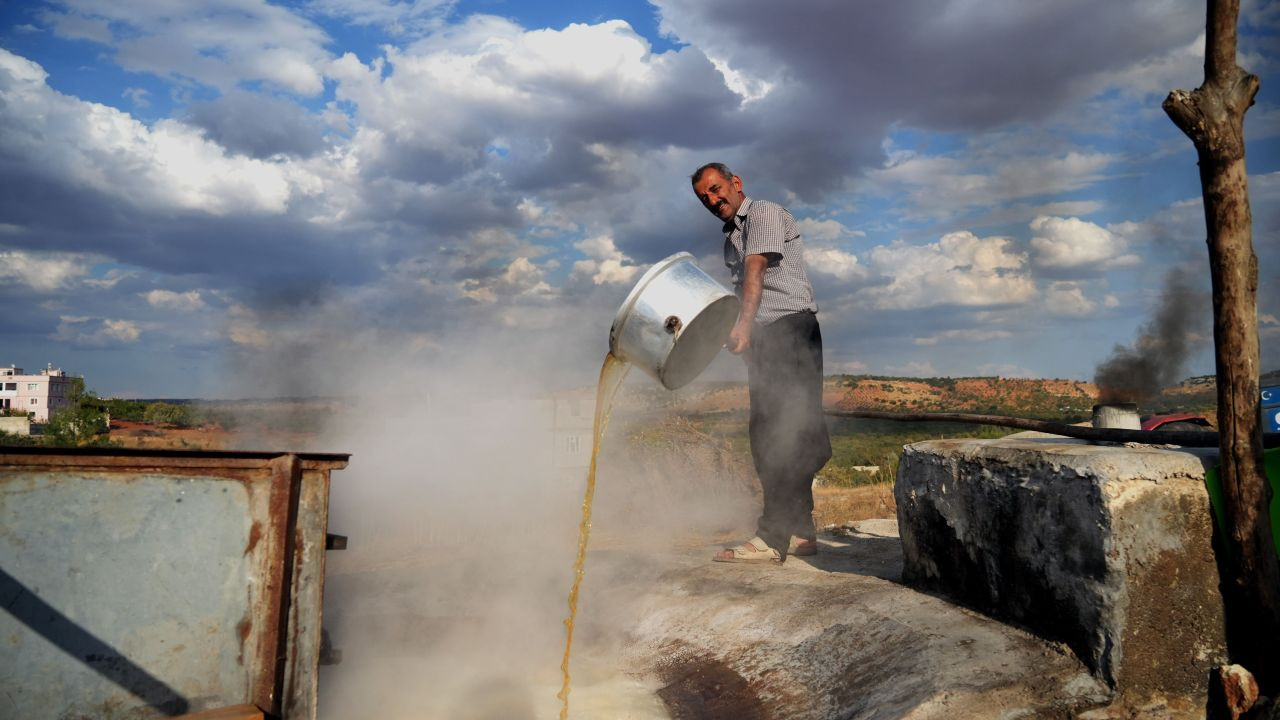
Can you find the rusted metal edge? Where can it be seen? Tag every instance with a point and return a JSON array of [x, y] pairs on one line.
[[306, 593], [159, 453], [286, 485], [1080, 432]]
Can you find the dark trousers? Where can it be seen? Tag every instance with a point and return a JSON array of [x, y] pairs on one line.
[[789, 440]]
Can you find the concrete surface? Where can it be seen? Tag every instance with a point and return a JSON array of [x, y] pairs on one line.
[[1106, 548], [666, 633], [835, 636]]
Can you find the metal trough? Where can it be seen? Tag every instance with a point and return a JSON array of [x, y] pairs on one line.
[[147, 583]]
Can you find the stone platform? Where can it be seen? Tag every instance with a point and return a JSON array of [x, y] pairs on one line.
[[1105, 548]]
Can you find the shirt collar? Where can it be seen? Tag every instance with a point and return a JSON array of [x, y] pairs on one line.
[[736, 222]]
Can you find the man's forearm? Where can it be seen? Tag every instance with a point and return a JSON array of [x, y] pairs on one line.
[[752, 288]]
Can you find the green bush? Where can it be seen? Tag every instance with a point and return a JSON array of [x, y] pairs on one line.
[[78, 426], [159, 413], [123, 409]]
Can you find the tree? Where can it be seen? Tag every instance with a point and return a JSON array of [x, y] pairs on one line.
[[83, 423], [1212, 115]]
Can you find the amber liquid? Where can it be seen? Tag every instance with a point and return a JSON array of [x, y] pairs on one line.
[[611, 374]]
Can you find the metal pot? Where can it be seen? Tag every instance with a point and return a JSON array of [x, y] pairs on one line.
[[1117, 415], [674, 322]]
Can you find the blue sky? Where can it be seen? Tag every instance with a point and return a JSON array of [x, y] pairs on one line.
[[238, 198]]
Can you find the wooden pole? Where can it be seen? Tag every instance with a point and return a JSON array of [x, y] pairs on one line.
[[1213, 117]]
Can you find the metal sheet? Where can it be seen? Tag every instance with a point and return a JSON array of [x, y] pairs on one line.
[[142, 585]]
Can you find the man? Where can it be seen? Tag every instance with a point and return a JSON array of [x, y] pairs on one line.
[[777, 334]]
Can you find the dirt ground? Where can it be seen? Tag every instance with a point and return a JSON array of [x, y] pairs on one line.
[[133, 434], [161, 437]]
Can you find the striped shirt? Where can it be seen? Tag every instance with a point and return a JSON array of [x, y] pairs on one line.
[[765, 228]]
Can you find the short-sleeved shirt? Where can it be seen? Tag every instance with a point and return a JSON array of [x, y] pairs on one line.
[[765, 228]]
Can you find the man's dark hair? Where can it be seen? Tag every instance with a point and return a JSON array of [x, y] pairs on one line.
[[721, 168]]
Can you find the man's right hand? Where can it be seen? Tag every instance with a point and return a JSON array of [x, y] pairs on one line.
[[739, 338]]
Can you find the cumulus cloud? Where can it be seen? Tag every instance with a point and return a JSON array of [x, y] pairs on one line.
[[96, 332], [971, 335], [606, 265], [845, 367], [220, 43], [839, 78], [1268, 325], [258, 125], [1006, 370], [545, 222], [557, 102], [496, 174], [43, 272], [137, 96], [939, 186], [915, 368], [960, 269], [168, 299], [521, 279], [824, 231], [837, 263], [245, 329], [824, 251], [1068, 299], [1072, 244], [110, 278], [397, 18], [101, 148]]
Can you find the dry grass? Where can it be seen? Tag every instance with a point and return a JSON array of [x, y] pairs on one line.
[[834, 506]]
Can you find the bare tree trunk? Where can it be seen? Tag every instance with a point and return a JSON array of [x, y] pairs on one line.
[[1213, 117]]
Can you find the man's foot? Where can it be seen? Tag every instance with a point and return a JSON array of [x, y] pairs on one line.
[[803, 546], [754, 550]]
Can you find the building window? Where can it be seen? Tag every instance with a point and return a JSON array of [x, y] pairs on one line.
[[35, 401], [11, 386], [33, 386]]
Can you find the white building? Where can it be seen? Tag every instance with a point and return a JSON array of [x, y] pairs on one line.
[[39, 395], [572, 414]]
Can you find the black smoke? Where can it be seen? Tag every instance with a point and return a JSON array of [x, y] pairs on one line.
[[1158, 358]]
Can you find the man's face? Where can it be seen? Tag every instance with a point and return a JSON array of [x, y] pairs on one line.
[[721, 195]]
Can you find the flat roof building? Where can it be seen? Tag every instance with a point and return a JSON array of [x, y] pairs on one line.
[[39, 395]]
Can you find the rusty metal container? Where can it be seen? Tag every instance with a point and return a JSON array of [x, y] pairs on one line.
[[143, 584]]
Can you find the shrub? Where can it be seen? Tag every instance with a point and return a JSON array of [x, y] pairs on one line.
[[77, 426], [159, 413]]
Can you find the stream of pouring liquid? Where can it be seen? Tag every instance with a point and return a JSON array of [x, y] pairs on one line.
[[611, 374]]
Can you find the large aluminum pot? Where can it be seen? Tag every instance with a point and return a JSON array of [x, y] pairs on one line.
[[674, 321], [1117, 415]]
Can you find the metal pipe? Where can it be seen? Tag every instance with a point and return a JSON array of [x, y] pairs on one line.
[[1082, 432]]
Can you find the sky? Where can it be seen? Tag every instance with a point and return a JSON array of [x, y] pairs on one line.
[[237, 198]]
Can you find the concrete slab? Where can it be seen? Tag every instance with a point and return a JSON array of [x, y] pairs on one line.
[[831, 636], [1106, 548]]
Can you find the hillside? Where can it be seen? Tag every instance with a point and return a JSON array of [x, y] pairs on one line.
[[1056, 399]]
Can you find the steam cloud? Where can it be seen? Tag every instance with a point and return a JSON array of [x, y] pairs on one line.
[[462, 509], [1158, 357]]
